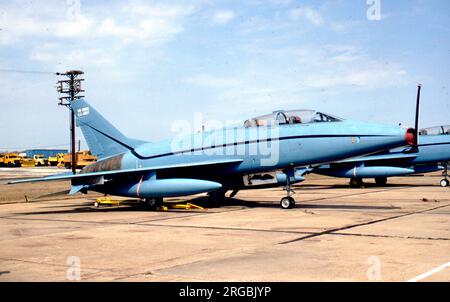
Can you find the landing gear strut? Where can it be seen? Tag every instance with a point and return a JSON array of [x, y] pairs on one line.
[[288, 202], [356, 182], [445, 182]]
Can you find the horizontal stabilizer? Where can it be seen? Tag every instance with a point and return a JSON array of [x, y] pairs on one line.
[[76, 189]]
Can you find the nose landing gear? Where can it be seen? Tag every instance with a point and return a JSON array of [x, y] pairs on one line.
[[288, 202], [445, 182]]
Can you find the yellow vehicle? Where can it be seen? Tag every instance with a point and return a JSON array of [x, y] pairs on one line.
[[83, 159], [55, 160], [39, 160], [10, 160], [26, 161]]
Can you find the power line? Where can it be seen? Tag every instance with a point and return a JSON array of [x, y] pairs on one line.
[[26, 71], [71, 88]]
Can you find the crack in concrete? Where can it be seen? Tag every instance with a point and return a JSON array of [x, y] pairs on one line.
[[330, 231], [391, 236]]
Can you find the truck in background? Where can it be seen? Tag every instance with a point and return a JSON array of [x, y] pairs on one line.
[[40, 160], [83, 158], [56, 159], [10, 160]]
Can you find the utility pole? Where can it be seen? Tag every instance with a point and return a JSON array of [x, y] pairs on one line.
[[70, 89]]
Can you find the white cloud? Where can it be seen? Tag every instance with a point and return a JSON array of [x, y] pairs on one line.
[[151, 29], [133, 21], [20, 23], [308, 13], [286, 76], [158, 10], [223, 17], [98, 35], [75, 57]]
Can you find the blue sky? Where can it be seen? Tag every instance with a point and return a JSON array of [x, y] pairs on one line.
[[148, 63]]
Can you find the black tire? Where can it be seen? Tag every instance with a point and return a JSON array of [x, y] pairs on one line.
[[216, 198], [153, 203], [356, 182], [381, 181], [444, 183], [287, 203]]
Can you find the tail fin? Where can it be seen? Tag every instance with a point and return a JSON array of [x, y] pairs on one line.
[[101, 136]]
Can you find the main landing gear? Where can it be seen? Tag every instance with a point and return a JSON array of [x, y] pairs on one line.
[[217, 198], [356, 182], [153, 203], [288, 202], [445, 182], [381, 181]]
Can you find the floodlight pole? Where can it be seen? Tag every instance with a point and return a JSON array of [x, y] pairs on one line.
[[71, 88]]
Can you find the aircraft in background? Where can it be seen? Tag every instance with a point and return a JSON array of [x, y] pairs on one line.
[[263, 153], [430, 155], [433, 154]]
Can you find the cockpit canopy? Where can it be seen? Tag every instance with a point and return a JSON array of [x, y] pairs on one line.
[[282, 117], [438, 130]]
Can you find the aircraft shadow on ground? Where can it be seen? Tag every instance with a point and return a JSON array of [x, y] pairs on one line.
[[366, 186], [199, 201]]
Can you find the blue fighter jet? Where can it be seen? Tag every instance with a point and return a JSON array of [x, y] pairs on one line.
[[432, 154], [262, 153]]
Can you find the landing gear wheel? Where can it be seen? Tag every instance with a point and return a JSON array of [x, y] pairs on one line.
[[96, 204], [381, 181], [153, 203], [287, 202], [445, 182], [356, 182], [216, 198]]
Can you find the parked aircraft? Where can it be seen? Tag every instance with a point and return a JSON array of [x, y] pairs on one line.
[[432, 154], [262, 153]]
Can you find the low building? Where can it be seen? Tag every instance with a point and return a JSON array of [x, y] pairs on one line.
[[46, 152]]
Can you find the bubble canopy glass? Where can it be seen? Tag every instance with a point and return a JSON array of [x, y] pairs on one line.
[[438, 130], [290, 117]]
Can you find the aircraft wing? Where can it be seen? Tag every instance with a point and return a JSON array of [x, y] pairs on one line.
[[64, 176], [391, 156]]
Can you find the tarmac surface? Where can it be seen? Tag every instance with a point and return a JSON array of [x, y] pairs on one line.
[[399, 232]]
